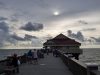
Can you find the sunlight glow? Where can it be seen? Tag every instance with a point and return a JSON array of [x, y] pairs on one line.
[[56, 13]]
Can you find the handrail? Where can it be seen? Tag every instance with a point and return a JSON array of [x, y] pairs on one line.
[[77, 67]]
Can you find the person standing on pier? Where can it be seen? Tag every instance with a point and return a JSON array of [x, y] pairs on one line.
[[35, 55], [47, 51], [30, 54], [15, 62], [55, 53]]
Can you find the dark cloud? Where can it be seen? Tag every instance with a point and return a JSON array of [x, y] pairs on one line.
[[69, 33], [32, 26], [5, 35], [25, 38], [79, 36], [3, 18], [29, 37], [89, 29], [4, 26], [4, 32], [16, 37]]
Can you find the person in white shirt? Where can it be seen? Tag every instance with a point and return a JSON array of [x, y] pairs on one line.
[[35, 56]]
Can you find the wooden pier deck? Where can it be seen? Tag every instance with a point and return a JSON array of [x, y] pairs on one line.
[[48, 66]]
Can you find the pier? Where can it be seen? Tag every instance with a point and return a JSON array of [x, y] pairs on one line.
[[50, 65]]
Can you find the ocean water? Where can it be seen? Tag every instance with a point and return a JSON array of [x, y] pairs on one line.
[[90, 55], [8, 52]]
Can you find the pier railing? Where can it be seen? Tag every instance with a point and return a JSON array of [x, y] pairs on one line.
[[77, 67]]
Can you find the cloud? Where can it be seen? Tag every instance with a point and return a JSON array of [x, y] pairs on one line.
[[82, 22], [2, 37], [4, 26], [96, 39], [30, 37], [27, 37], [89, 29], [41, 3], [2, 5], [4, 32], [16, 37], [79, 36], [14, 19], [36, 43], [3, 18], [32, 26]]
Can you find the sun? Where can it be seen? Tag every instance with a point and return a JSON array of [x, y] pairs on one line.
[[56, 13]]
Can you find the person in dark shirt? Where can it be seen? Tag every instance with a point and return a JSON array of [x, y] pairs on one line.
[[30, 54], [15, 62], [55, 53]]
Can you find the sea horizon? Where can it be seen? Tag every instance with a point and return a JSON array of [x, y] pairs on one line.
[[38, 47]]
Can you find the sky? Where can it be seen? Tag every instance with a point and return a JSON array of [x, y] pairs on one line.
[[43, 19]]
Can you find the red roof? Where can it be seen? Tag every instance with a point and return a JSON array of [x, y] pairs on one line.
[[61, 40]]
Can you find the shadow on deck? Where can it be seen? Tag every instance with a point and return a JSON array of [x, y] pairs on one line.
[[48, 66]]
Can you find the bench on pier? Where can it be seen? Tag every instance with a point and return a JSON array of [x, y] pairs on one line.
[[7, 70]]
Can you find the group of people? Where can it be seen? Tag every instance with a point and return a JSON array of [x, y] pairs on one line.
[[32, 56], [55, 53]]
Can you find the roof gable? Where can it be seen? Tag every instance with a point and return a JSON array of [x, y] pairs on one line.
[[62, 40], [61, 36]]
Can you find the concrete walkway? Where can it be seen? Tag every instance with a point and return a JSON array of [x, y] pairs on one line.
[[48, 66]]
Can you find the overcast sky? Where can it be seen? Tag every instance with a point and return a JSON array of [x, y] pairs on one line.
[[51, 16]]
